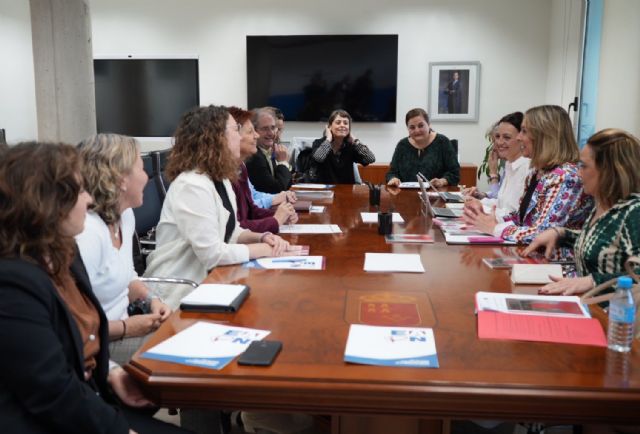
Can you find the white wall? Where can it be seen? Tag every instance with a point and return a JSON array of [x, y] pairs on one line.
[[515, 41], [17, 90], [513, 50], [619, 85]]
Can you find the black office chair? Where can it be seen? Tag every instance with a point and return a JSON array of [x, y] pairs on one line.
[[160, 161]]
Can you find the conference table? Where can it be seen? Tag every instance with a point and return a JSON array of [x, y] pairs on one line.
[[311, 311]]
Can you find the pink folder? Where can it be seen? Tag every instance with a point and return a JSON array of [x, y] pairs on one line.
[[537, 328]]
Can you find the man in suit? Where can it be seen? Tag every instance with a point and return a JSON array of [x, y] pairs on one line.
[[269, 169]]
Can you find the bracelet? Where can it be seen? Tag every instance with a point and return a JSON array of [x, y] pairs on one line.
[[124, 329], [264, 234]]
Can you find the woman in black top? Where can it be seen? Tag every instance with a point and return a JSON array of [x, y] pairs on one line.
[[424, 151], [335, 153]]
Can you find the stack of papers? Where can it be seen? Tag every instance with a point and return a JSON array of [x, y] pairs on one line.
[[410, 184], [390, 262], [214, 297], [391, 346], [206, 345], [372, 217], [315, 194], [310, 229], [561, 319], [475, 239], [312, 186], [534, 274]]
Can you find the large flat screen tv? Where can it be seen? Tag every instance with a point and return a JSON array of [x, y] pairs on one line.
[[144, 97], [308, 77]]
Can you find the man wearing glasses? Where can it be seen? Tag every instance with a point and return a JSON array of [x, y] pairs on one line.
[[269, 169]]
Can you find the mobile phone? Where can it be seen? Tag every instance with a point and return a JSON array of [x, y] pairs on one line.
[[260, 353]]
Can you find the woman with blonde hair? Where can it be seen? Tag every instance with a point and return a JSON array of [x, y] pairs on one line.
[[198, 229], [609, 170], [115, 178], [553, 195]]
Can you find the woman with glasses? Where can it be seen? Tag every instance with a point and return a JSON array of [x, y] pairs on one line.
[[333, 155], [423, 151], [553, 194], [55, 374], [251, 216], [198, 228], [609, 171]]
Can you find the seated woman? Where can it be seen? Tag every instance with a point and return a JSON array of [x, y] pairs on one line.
[[55, 376], [423, 151], [249, 215], [609, 170], [198, 229], [553, 195], [511, 185], [115, 178], [334, 154]]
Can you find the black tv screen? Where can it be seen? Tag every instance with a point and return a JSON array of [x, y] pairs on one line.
[[144, 97], [308, 77]]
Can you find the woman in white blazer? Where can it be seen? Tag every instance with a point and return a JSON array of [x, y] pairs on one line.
[[198, 229]]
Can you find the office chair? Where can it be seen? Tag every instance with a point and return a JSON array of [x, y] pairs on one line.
[[3, 137], [148, 215]]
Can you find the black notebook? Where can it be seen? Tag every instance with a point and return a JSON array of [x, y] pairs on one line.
[[214, 297]]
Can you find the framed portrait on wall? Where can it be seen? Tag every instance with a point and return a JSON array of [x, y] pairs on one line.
[[454, 91]]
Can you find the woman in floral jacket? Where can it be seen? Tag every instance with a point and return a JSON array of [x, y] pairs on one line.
[[553, 194]]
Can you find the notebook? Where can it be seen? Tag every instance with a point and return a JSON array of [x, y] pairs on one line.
[[210, 297], [534, 274]]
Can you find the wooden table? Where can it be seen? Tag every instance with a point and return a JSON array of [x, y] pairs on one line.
[[310, 312]]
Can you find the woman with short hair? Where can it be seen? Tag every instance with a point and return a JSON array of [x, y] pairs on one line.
[[198, 229], [115, 178], [423, 151], [609, 170], [553, 194]]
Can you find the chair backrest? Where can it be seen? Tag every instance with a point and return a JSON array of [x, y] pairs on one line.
[[148, 215], [298, 144], [161, 161], [3, 137]]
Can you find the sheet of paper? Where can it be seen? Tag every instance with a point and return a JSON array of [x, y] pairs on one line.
[[499, 325], [391, 346], [206, 345], [316, 209], [288, 263], [372, 217], [529, 304], [455, 205], [391, 262], [214, 294], [315, 194], [312, 186], [410, 184], [310, 229], [534, 274]]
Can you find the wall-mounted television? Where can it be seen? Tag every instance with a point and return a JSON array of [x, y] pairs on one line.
[[308, 77], [144, 97]]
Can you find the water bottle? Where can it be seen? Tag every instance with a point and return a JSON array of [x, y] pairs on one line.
[[622, 314]]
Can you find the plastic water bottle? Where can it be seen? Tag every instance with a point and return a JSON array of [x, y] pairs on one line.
[[622, 314]]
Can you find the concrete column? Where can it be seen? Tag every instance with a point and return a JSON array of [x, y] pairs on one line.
[[63, 64]]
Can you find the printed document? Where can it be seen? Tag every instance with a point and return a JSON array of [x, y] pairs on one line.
[[403, 262]]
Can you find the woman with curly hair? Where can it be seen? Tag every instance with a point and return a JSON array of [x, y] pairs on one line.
[[198, 229], [115, 178], [55, 375]]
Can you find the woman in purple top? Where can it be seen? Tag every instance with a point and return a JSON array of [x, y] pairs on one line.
[[251, 216]]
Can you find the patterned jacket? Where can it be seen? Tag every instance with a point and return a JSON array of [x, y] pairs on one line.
[[603, 245], [558, 200]]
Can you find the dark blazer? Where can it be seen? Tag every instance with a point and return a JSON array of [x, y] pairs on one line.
[[42, 387], [261, 177]]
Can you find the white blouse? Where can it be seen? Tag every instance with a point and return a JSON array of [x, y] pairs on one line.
[[110, 269], [511, 187]]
